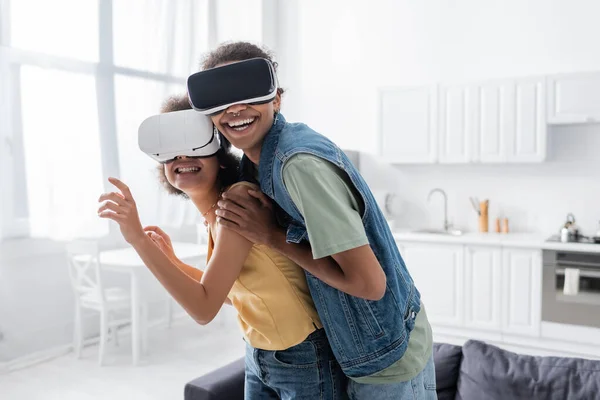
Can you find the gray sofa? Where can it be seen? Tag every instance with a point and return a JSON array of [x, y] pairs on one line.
[[474, 371]]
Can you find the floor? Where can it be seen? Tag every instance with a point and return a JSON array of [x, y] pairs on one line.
[[176, 355]]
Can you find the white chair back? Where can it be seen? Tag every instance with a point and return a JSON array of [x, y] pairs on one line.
[[84, 268]]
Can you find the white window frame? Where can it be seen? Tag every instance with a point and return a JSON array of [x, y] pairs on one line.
[[103, 71]]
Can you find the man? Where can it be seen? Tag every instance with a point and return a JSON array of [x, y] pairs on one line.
[[367, 302]]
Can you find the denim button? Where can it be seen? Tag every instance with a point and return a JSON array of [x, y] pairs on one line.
[[413, 315]]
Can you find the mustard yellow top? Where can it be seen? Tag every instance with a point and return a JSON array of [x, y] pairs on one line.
[[271, 296]]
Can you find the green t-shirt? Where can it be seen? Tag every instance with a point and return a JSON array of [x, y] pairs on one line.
[[332, 210]]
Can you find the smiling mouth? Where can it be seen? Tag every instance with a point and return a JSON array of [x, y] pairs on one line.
[[185, 170], [241, 125]]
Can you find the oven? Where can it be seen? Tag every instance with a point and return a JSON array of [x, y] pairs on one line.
[[571, 287]]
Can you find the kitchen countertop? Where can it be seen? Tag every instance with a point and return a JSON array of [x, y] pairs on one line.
[[515, 240]]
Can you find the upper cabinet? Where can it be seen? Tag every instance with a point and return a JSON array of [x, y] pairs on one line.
[[574, 98], [490, 128], [456, 106], [408, 124], [510, 121], [500, 121], [527, 143]]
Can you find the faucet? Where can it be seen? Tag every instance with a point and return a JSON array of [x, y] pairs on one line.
[[446, 224]]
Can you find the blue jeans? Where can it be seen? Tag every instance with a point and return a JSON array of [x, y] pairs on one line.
[[307, 371], [421, 387]]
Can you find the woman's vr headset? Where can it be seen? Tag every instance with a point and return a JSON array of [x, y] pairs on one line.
[[246, 82], [181, 133]]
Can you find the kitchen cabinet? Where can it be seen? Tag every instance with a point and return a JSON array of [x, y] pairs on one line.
[[489, 291], [501, 121], [521, 291], [408, 124], [483, 274], [510, 122], [528, 141], [437, 271], [456, 109], [574, 98], [491, 131]]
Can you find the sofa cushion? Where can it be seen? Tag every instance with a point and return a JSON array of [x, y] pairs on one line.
[[447, 360], [488, 372], [225, 383]]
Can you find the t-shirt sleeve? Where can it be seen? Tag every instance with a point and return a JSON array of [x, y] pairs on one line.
[[329, 203]]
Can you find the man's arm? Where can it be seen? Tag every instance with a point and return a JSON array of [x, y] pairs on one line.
[[254, 221], [356, 271], [341, 255]]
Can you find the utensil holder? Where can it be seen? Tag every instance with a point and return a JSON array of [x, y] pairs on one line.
[[483, 217]]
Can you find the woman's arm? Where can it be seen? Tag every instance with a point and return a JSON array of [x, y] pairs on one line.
[[163, 241], [254, 219], [202, 300]]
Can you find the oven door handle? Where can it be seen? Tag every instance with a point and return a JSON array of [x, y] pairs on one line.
[[583, 273], [574, 264]]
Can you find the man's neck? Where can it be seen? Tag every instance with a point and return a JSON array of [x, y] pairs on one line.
[[253, 154]]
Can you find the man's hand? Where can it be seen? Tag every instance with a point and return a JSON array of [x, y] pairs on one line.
[[250, 215]]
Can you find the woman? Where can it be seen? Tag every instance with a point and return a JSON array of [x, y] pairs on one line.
[[288, 355]]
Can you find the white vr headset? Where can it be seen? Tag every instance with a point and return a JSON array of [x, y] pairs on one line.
[[181, 133]]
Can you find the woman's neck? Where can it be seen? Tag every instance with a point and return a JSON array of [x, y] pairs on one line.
[[206, 204]]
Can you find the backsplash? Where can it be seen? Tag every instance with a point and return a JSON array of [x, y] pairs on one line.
[[534, 197]]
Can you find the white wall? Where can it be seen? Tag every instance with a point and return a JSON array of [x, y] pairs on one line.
[[343, 51]]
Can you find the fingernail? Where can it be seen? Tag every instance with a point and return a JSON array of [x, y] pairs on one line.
[[220, 203], [218, 212]]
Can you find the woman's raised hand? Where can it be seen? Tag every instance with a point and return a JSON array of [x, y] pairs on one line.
[[120, 207]]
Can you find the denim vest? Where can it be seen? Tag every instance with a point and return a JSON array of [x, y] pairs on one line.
[[366, 336]]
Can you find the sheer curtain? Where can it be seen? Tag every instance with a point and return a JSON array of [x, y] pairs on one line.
[[56, 61], [164, 37]]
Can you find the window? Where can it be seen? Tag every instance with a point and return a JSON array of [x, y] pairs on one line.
[[47, 27], [76, 79], [239, 20], [137, 99], [63, 168]]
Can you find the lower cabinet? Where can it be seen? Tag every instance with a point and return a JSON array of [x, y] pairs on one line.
[[521, 292], [483, 274], [478, 288], [438, 274]]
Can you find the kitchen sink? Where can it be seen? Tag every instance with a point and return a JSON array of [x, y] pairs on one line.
[[450, 232]]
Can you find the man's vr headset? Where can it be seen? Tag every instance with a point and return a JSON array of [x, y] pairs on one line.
[[181, 133], [246, 82]]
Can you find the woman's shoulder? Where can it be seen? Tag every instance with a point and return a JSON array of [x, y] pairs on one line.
[[240, 186]]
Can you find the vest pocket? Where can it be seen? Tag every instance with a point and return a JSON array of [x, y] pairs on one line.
[[370, 318]]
